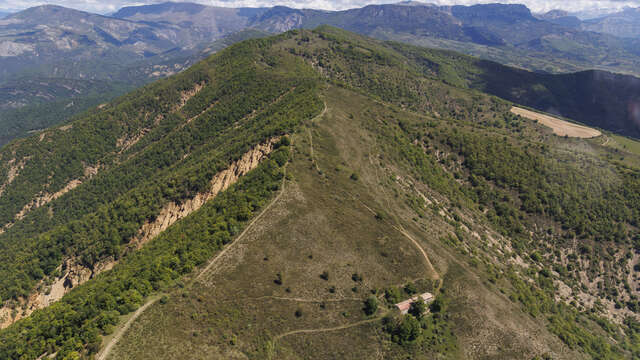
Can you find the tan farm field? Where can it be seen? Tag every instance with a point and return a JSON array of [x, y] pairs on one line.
[[559, 127]]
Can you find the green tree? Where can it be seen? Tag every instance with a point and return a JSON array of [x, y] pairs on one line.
[[408, 330], [371, 305], [436, 306], [418, 308]]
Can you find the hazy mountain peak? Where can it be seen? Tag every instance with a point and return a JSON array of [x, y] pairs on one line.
[[500, 12], [190, 8], [553, 14], [414, 3]]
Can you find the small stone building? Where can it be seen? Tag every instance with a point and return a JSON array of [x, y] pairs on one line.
[[405, 305]]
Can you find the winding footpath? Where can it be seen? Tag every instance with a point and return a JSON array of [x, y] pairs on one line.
[[214, 261], [102, 355], [342, 327]]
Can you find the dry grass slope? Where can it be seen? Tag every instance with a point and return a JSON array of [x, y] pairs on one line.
[[323, 221]]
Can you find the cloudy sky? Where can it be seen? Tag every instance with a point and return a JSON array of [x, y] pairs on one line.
[[106, 6]]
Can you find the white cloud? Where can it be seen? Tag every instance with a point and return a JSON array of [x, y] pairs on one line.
[[104, 6]]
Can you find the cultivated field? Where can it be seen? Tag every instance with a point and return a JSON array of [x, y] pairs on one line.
[[560, 127]]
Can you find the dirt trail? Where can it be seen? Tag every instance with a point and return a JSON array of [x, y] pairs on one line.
[[399, 227], [313, 160], [224, 251], [306, 300], [107, 349], [311, 331], [402, 231]]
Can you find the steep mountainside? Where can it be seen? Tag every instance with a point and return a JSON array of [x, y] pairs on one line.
[[622, 24], [277, 199], [504, 33], [33, 104], [208, 20]]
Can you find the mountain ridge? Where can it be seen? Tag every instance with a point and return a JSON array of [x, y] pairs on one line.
[[375, 144]]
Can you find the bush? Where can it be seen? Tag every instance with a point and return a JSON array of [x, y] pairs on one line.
[[410, 289], [437, 306], [325, 275], [393, 295], [371, 305], [408, 330], [418, 308]]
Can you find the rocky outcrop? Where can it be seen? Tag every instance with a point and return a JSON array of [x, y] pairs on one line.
[[186, 95], [129, 140], [45, 197]]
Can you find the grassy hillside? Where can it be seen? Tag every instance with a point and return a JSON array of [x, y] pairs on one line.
[[395, 177]]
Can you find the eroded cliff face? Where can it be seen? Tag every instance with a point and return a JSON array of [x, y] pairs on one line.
[[45, 197], [73, 273], [173, 212], [12, 173]]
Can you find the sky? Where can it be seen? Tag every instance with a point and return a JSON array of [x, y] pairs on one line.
[[107, 6]]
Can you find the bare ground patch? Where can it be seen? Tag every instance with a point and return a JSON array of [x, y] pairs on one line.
[[559, 127]]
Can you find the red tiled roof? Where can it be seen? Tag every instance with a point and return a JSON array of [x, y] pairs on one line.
[[405, 305]]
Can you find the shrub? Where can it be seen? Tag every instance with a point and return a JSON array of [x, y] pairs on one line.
[[418, 308], [371, 305], [410, 289], [408, 330], [325, 275]]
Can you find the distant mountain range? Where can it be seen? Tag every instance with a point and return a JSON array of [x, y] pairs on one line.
[[56, 41], [138, 44], [624, 24]]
